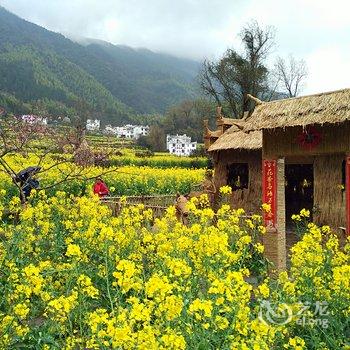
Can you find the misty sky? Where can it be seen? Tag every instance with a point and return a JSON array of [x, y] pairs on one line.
[[315, 30]]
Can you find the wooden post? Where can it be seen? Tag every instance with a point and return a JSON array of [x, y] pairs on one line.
[[347, 189], [273, 194], [281, 215]]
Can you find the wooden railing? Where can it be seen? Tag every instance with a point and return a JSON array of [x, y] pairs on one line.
[[158, 203]]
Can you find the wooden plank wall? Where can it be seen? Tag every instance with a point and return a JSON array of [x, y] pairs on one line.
[[279, 143], [248, 199]]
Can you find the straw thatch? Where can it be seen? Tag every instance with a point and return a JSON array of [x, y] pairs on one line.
[[210, 136], [330, 107], [329, 199], [235, 138], [213, 134], [221, 120], [225, 121]]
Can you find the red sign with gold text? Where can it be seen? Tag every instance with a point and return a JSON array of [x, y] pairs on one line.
[[270, 191], [347, 189]]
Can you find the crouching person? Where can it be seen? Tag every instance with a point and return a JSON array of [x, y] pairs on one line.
[[26, 182], [181, 208]]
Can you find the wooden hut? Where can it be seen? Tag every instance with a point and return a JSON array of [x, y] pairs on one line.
[[306, 162], [222, 124], [210, 136], [237, 162]]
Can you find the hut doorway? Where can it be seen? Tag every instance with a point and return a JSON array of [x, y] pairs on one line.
[[299, 189]]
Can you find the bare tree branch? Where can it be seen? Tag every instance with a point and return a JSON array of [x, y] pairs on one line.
[[20, 137], [290, 75], [206, 81]]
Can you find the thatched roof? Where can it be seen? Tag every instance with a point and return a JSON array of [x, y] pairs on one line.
[[235, 138], [209, 133], [225, 121], [329, 107], [215, 133]]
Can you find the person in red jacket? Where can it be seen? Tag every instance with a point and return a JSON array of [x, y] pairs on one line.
[[100, 188]]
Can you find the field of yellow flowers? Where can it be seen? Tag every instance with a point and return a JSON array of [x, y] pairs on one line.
[[124, 180], [160, 160], [72, 276]]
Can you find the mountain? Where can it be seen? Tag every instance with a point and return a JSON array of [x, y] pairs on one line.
[[43, 71], [147, 81]]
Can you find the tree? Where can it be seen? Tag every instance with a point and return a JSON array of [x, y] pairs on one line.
[[155, 140], [17, 136], [235, 75], [187, 118], [142, 141], [20, 137], [290, 75]]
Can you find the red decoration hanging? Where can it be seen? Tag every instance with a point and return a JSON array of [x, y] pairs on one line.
[[347, 189], [270, 191], [309, 138]]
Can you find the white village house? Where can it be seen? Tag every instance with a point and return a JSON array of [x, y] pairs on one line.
[[180, 145], [93, 124], [34, 119], [110, 130], [140, 130], [127, 131]]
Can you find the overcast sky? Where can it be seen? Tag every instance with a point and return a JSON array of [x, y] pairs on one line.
[[316, 30]]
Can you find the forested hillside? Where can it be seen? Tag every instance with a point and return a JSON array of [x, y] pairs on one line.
[[147, 81], [42, 71]]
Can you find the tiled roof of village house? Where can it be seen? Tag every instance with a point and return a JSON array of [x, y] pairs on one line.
[[329, 107]]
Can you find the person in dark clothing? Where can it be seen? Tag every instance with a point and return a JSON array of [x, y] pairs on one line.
[[30, 185], [27, 182]]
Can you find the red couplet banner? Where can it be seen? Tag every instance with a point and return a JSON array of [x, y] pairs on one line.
[[270, 191], [347, 189]]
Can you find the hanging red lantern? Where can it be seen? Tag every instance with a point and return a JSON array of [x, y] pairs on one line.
[[309, 138]]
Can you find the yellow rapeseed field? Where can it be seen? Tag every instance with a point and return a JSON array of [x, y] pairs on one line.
[[72, 276], [124, 180]]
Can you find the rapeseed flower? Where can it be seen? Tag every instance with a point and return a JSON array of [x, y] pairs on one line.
[[135, 281]]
